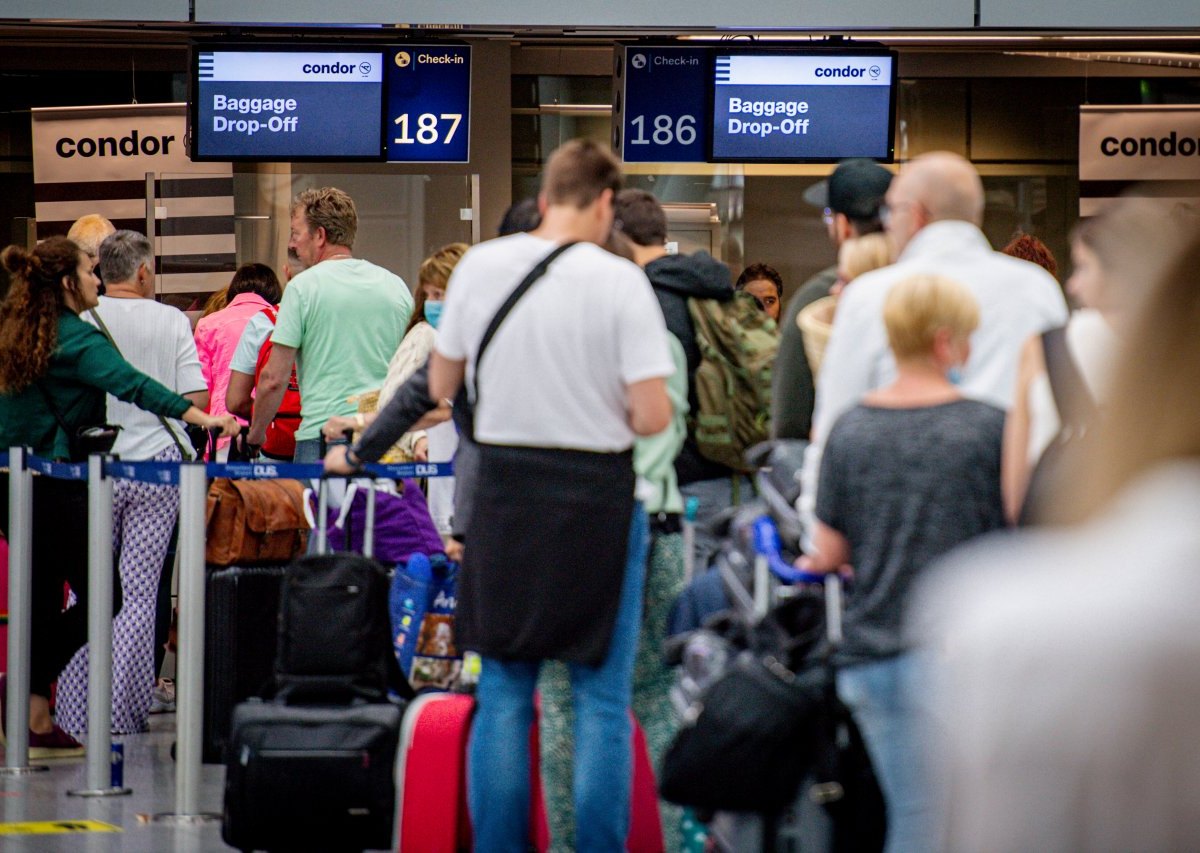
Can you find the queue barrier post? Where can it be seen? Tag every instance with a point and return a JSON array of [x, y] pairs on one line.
[[20, 612], [100, 616], [189, 696]]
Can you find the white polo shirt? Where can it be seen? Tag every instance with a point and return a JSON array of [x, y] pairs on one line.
[[556, 373], [157, 340]]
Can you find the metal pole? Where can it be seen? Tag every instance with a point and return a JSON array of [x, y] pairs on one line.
[[190, 677], [100, 605], [368, 549], [322, 515], [20, 612]]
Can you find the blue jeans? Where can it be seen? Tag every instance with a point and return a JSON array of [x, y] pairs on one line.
[[307, 451], [890, 702], [498, 763]]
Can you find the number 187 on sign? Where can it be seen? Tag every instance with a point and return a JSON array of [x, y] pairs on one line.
[[430, 128]]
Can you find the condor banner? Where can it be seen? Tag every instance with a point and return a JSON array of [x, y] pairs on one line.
[[1147, 151], [95, 160]]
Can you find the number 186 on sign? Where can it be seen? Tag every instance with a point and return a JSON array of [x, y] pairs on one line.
[[428, 129]]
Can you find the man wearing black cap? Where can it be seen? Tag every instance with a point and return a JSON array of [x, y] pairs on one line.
[[850, 199]]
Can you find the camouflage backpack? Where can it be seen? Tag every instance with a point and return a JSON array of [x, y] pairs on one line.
[[738, 344]]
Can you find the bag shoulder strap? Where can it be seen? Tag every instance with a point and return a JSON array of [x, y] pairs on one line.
[[62, 424], [272, 313], [184, 452], [1071, 396], [513, 298]]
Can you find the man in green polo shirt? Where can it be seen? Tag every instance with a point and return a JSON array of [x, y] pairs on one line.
[[340, 322]]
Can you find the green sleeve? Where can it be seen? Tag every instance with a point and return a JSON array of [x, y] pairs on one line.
[[98, 364], [654, 455], [289, 325]]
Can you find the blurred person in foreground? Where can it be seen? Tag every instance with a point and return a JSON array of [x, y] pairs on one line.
[[1067, 659], [909, 473], [54, 372]]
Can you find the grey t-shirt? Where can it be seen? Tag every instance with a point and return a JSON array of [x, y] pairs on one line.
[[905, 486]]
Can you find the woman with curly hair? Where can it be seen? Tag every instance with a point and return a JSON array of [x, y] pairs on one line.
[[55, 370]]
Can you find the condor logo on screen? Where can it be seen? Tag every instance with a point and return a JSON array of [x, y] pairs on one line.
[[849, 71], [357, 69]]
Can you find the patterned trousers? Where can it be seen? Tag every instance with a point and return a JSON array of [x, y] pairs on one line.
[[143, 516]]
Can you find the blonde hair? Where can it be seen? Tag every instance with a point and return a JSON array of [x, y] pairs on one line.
[[435, 270], [863, 254], [919, 306], [88, 232]]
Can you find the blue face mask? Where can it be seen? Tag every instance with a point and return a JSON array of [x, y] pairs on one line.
[[433, 312], [955, 375]]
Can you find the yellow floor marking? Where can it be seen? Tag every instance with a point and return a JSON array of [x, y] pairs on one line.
[[56, 827]]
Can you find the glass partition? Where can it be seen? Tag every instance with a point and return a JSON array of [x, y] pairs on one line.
[[245, 217]]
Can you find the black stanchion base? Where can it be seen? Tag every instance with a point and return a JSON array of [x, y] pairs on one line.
[[186, 819], [23, 771]]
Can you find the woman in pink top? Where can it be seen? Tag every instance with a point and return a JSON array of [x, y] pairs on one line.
[[254, 287]]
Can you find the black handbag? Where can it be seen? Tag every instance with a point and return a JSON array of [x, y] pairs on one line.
[[748, 745]]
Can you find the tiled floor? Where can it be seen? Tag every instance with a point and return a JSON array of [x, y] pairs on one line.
[[149, 771]]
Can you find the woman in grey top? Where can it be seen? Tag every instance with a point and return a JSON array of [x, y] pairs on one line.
[[908, 474]]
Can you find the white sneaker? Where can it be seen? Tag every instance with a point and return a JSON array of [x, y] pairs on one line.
[[162, 699]]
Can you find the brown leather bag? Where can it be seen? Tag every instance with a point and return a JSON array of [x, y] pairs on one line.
[[255, 521]]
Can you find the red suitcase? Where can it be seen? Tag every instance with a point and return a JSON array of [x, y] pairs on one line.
[[431, 780]]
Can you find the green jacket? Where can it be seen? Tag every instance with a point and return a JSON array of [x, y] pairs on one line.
[[85, 366]]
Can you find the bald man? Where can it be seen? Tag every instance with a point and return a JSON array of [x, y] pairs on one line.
[[932, 215]]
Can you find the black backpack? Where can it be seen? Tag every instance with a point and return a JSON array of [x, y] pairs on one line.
[[1079, 415]]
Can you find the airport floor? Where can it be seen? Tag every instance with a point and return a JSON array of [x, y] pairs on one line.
[[61, 823]]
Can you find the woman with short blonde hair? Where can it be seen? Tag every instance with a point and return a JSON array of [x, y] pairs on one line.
[[909, 474]]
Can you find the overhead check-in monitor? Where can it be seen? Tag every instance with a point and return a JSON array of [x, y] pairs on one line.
[[273, 103], [407, 103], [785, 106]]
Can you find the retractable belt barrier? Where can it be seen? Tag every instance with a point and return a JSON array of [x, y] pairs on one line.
[[99, 472]]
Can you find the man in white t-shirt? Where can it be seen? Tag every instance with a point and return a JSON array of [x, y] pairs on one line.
[[932, 215], [157, 340], [554, 567]]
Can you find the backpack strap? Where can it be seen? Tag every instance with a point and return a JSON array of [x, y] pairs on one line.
[[1071, 396]]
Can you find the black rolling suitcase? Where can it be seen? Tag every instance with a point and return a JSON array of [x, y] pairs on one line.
[[311, 777], [241, 614], [313, 768]]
